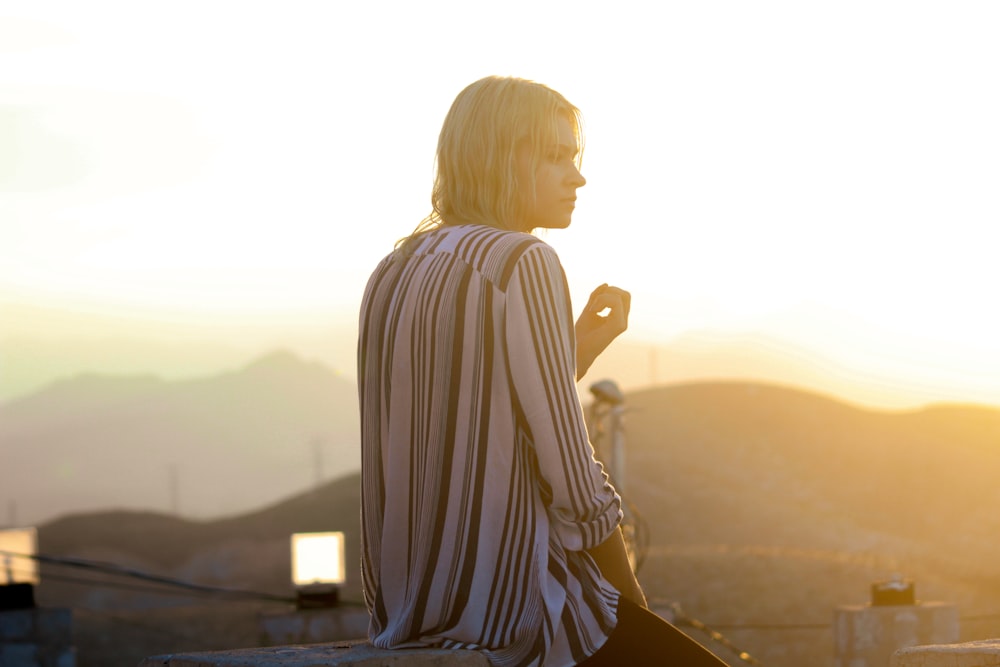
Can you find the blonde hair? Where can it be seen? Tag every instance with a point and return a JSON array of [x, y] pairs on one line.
[[476, 177]]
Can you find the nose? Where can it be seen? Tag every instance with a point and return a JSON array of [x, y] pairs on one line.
[[576, 179]]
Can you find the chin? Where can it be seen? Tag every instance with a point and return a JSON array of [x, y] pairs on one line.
[[557, 224]]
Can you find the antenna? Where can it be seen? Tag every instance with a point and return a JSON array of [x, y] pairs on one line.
[[173, 481], [317, 443]]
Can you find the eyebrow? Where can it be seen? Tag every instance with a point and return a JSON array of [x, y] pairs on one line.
[[570, 150]]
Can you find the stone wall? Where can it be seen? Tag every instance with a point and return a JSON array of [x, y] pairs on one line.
[[337, 654]]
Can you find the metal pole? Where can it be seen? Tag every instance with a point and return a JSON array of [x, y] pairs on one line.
[[618, 447], [318, 460], [174, 490]]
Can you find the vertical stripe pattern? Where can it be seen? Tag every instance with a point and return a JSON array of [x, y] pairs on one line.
[[480, 491]]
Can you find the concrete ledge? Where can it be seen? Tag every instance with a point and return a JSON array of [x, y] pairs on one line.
[[984, 653], [338, 654], [43, 626], [36, 638]]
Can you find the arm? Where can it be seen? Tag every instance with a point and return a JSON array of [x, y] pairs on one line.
[[582, 506], [584, 510], [594, 331], [612, 559]]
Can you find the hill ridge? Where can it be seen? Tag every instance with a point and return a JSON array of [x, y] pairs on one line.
[[98, 442]]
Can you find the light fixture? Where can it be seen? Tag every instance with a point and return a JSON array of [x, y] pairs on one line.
[[18, 568], [608, 392], [317, 568]]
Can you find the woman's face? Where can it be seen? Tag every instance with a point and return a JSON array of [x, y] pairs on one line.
[[556, 181]]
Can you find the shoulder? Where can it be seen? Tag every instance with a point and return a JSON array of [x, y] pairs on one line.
[[494, 253], [483, 239], [513, 254]]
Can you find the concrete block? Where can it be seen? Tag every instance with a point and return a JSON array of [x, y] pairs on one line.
[[20, 655], [984, 653], [340, 654], [867, 636], [39, 626], [25, 654]]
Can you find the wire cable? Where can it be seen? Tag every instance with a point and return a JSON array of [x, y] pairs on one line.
[[121, 571], [135, 588]]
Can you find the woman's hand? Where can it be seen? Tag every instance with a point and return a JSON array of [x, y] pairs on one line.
[[603, 319]]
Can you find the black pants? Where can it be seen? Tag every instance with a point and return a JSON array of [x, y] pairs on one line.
[[643, 639]]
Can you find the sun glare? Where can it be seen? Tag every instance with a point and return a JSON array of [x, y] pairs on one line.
[[746, 171]]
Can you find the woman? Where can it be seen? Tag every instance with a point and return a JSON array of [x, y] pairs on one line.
[[487, 523]]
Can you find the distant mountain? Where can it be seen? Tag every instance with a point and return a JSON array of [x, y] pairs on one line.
[[764, 452], [705, 356], [764, 506], [30, 363], [208, 447], [715, 463], [251, 551]]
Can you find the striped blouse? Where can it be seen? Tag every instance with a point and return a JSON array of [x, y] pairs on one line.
[[480, 490]]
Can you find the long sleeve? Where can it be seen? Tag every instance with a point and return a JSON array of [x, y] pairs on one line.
[[583, 507]]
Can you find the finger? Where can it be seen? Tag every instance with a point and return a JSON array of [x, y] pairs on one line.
[[624, 295], [602, 302], [612, 297], [610, 309], [596, 293]]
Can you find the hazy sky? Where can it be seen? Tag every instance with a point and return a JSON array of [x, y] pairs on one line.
[[824, 173]]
